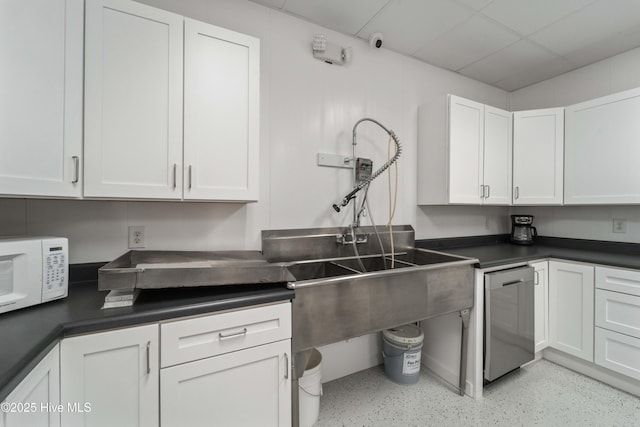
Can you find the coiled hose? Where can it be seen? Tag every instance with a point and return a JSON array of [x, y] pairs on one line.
[[384, 167]]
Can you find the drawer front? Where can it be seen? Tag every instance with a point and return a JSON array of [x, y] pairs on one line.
[[614, 279], [618, 352], [193, 339], [618, 312]]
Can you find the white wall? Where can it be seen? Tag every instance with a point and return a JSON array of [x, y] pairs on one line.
[[602, 78], [307, 107]]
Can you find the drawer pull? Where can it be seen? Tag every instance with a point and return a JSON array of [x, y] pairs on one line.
[[235, 334]]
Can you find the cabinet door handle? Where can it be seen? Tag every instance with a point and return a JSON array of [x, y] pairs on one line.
[[482, 191], [76, 166], [286, 366], [517, 192], [235, 334], [189, 177], [488, 191], [175, 175], [148, 357], [537, 278]]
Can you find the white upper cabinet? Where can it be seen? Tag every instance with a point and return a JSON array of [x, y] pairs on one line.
[[133, 101], [498, 143], [602, 150], [134, 121], [41, 97], [538, 147], [221, 113], [466, 154], [468, 161]]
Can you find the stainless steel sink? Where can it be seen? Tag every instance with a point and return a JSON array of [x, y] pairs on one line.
[[322, 269], [336, 299]]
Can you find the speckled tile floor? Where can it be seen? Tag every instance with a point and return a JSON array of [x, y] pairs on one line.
[[541, 394]]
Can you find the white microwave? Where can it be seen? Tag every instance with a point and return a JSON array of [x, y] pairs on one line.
[[33, 270]]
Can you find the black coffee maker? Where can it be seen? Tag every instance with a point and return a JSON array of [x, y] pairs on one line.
[[522, 232]]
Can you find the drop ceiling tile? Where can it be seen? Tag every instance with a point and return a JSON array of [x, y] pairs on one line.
[[527, 16], [344, 16], [276, 4], [468, 42], [475, 4], [537, 73], [598, 21], [507, 62], [409, 24], [606, 48]]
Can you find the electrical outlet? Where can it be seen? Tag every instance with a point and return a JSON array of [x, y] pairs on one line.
[[619, 225], [136, 237]]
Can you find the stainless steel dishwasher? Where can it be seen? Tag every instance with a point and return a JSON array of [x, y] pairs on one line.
[[509, 322]]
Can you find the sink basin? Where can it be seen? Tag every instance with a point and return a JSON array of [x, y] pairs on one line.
[[426, 257], [318, 270], [371, 264]]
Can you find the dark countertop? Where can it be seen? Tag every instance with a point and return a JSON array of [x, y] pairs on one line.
[[494, 251], [28, 334]]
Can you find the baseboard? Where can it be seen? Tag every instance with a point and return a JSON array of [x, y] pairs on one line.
[[594, 371]]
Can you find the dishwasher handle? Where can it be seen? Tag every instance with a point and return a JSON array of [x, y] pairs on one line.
[[513, 282], [513, 276]]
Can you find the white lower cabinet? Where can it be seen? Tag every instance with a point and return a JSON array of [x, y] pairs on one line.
[[111, 378], [35, 401], [250, 387], [541, 305], [229, 369], [617, 315], [571, 303]]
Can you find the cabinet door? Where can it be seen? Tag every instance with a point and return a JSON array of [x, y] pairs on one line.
[[221, 113], [40, 389], [541, 304], [571, 304], [466, 134], [498, 138], [133, 101], [41, 97], [111, 378], [245, 388], [602, 150], [538, 141]]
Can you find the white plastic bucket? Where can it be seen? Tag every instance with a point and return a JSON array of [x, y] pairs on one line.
[[402, 349], [310, 390]]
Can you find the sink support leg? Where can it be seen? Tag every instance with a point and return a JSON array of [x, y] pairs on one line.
[[295, 403], [464, 343]]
